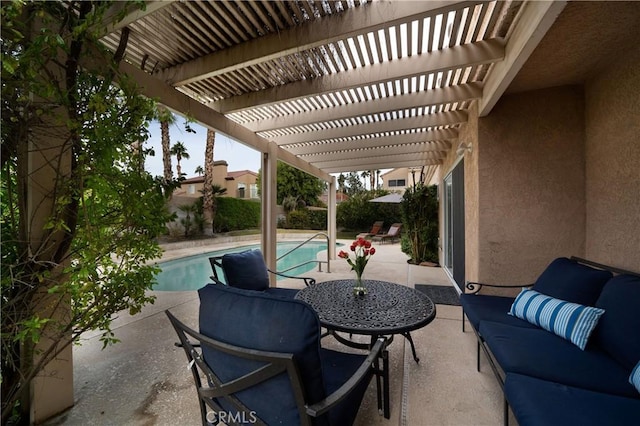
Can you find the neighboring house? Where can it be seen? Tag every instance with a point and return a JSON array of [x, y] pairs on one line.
[[239, 184], [398, 180], [340, 197]]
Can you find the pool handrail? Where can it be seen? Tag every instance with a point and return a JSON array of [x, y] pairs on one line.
[[319, 262]]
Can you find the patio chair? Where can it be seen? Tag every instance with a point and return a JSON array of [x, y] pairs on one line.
[[247, 270], [261, 359], [376, 228], [392, 234]]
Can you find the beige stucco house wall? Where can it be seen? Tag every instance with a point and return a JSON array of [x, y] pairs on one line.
[[554, 172], [612, 155], [398, 176], [232, 181]]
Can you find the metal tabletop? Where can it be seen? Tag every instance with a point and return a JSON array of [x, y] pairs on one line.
[[387, 308]]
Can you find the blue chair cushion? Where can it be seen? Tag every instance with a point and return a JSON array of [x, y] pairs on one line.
[[618, 332], [479, 307], [538, 353], [335, 367], [569, 280], [570, 321], [246, 270], [538, 402], [634, 379], [260, 321]]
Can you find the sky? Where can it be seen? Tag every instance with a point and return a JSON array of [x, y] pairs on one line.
[[237, 155]]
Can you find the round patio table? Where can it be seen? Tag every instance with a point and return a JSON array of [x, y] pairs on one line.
[[386, 309]]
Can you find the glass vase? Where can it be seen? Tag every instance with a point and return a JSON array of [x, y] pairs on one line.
[[359, 289]]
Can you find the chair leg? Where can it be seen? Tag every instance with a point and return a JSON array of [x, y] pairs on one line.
[[385, 379], [463, 320], [506, 412], [478, 354]]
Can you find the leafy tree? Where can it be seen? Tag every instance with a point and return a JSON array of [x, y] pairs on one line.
[[353, 184], [79, 216], [180, 151], [199, 170], [292, 182]]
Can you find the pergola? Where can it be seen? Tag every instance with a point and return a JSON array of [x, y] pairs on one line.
[[331, 86], [338, 86]]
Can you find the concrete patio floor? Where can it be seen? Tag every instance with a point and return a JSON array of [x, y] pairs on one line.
[[144, 379]]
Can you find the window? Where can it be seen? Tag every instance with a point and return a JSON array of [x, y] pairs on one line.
[[254, 190], [397, 182], [191, 189], [241, 190]]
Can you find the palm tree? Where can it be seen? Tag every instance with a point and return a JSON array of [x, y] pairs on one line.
[[180, 151], [377, 178], [364, 175], [372, 180], [199, 170], [166, 118], [208, 202]]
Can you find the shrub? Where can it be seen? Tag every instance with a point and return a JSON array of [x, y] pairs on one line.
[[358, 213], [420, 222], [233, 214]]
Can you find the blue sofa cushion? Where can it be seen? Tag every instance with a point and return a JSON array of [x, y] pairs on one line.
[[570, 321], [571, 281], [479, 307], [634, 379], [257, 320], [246, 270], [538, 402], [538, 353], [618, 332]]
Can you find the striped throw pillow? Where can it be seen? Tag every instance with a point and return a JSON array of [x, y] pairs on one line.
[[634, 379], [570, 321]]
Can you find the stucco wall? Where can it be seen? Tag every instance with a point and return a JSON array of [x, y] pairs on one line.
[[531, 183], [613, 164]]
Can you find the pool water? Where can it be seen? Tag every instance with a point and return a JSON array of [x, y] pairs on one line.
[[191, 273]]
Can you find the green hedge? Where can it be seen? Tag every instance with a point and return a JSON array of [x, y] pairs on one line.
[[234, 214], [306, 219], [358, 213]]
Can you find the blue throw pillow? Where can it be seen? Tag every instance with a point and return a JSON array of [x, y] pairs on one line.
[[570, 321], [574, 282], [246, 270], [634, 379]]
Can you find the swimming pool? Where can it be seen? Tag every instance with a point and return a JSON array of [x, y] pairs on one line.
[[191, 273]]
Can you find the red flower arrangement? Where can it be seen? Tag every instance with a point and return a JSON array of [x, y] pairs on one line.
[[363, 252]]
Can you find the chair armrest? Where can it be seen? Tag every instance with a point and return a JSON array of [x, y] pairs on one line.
[[307, 280], [474, 287], [330, 401]]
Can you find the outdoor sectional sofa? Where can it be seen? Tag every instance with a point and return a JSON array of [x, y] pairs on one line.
[[533, 343]]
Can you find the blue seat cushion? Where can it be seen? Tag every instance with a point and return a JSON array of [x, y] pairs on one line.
[[538, 353], [264, 322], [571, 281], [490, 308], [335, 367], [245, 270], [538, 402], [618, 331]]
